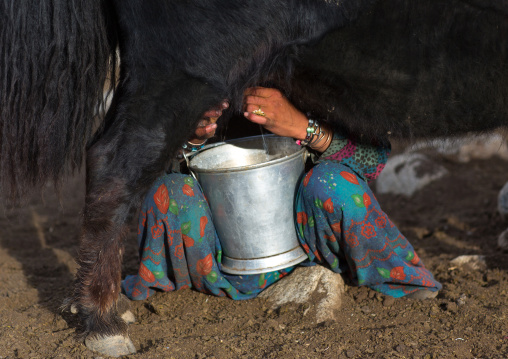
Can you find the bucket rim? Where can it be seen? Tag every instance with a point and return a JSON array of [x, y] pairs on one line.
[[298, 153]]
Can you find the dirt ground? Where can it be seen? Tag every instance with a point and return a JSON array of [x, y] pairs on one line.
[[452, 216]]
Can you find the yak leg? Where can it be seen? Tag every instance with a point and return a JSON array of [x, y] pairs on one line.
[[137, 146]]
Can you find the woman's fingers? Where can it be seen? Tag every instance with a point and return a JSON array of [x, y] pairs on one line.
[[207, 126], [280, 116], [213, 113], [256, 118], [205, 131], [216, 111], [261, 120], [255, 107]]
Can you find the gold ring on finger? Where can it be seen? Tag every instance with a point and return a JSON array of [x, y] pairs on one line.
[[259, 112]]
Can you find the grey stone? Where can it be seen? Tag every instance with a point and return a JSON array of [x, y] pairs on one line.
[[305, 285], [474, 262], [502, 241], [407, 173], [502, 201], [128, 317]]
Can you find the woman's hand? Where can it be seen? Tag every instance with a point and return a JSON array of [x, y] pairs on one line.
[[281, 117], [207, 125]]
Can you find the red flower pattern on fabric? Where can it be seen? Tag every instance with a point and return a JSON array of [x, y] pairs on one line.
[[204, 266], [328, 205], [349, 177], [366, 200], [330, 238], [301, 218], [316, 253], [157, 229], [145, 273], [397, 273], [188, 241], [307, 178], [136, 293], [368, 231], [352, 239], [427, 283], [336, 227], [187, 190], [306, 248], [179, 251], [415, 259], [202, 225], [380, 222], [143, 222], [161, 198]]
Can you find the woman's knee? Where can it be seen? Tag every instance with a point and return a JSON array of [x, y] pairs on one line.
[[328, 178], [173, 186]]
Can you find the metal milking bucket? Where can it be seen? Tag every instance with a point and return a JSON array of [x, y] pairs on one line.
[[251, 193]]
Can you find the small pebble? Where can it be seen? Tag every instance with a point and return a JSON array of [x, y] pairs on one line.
[[400, 348], [388, 301], [462, 299], [452, 307], [361, 296], [365, 309]]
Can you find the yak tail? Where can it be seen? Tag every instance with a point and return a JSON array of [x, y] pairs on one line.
[[55, 56]]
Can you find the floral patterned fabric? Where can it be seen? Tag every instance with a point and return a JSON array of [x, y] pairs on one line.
[[179, 247], [339, 224]]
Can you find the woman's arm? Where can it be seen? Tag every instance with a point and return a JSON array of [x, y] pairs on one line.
[[272, 110], [283, 119]]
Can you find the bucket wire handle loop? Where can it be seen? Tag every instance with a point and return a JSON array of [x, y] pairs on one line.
[[188, 157], [187, 161]]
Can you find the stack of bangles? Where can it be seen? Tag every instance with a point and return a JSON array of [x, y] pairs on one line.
[[317, 137], [193, 147]]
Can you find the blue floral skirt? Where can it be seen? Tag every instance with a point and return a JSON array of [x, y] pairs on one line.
[[339, 224]]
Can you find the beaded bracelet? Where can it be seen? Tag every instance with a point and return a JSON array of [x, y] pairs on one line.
[[312, 128]]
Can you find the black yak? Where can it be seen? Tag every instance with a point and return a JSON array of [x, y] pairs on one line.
[[371, 69]]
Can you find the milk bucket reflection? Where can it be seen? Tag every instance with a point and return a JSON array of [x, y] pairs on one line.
[[251, 195]]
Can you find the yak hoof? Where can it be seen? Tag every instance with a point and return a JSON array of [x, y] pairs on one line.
[[111, 345]]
